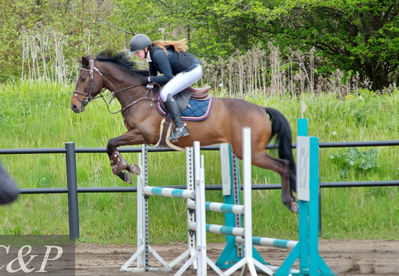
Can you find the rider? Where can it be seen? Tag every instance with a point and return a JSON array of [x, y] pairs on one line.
[[180, 69], [8, 190]]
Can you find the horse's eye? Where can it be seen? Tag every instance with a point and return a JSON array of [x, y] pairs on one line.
[[82, 79]]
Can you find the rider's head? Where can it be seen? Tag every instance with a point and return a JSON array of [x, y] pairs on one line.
[[139, 45]]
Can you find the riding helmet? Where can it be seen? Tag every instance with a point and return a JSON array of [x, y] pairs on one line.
[[139, 42]]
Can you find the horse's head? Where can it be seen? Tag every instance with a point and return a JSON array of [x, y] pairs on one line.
[[89, 84]]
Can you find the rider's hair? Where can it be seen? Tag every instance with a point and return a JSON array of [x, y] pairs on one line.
[[179, 45]]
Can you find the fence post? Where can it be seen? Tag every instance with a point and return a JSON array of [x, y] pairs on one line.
[[73, 211]]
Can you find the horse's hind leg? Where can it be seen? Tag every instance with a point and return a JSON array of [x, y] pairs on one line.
[[261, 159]]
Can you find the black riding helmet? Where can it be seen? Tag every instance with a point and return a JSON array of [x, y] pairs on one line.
[[139, 42]]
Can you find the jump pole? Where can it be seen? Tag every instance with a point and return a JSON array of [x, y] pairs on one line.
[[307, 249], [231, 187]]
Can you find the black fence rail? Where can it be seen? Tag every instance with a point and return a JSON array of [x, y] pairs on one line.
[[72, 188]]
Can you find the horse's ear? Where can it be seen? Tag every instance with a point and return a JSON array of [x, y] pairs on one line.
[[85, 61]]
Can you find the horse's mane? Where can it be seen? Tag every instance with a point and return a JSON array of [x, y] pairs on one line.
[[122, 59]]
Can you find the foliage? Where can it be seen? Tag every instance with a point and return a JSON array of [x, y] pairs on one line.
[[355, 36], [28, 29], [354, 159]]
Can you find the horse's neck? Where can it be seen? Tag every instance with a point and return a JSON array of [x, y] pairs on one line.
[[117, 82]]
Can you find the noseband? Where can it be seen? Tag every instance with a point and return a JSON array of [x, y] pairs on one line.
[[88, 95]]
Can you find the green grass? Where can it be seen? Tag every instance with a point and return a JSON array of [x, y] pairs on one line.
[[37, 114]]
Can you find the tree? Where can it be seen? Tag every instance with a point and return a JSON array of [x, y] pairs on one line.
[[353, 35]]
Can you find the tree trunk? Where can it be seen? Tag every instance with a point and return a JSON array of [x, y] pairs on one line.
[[378, 74]]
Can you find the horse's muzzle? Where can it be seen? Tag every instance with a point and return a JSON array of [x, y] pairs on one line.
[[77, 109]]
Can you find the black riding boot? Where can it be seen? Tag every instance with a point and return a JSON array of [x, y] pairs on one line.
[[181, 130]]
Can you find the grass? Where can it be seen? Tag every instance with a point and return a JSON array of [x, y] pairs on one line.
[[37, 114]]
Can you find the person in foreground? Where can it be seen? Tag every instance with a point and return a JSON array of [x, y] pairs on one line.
[[180, 70], [8, 190]]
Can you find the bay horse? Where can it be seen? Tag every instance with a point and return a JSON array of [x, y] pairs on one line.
[[116, 73]]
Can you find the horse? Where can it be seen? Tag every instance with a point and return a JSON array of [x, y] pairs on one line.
[[118, 74]]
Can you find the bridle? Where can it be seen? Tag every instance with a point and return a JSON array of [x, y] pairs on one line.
[[89, 97]]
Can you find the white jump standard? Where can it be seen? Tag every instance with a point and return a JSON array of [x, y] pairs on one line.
[[143, 247]]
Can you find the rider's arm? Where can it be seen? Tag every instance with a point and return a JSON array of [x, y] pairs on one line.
[[152, 69], [161, 61]]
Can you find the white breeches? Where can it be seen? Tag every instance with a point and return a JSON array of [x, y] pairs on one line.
[[180, 82]]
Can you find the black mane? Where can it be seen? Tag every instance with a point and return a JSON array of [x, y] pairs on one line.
[[121, 59]]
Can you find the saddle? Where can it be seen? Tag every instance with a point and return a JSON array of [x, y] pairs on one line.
[[183, 98]]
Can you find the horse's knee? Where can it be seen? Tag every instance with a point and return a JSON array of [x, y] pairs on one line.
[[111, 144]]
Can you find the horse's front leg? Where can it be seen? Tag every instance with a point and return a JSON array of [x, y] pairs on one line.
[[118, 163]]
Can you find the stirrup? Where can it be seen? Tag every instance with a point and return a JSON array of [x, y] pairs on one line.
[[178, 133]]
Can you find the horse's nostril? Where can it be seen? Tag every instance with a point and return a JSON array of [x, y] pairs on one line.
[[75, 108]]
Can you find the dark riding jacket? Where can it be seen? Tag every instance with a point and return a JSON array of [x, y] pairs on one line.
[[169, 63]]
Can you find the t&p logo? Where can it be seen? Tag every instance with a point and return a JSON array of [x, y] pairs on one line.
[[37, 255]]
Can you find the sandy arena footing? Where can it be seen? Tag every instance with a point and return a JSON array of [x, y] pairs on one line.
[[345, 257]]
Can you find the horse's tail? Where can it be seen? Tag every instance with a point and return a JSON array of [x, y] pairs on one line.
[[282, 131]]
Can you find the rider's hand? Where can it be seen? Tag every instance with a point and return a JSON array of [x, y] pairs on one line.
[[145, 80]]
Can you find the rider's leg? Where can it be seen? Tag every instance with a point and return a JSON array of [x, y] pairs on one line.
[[173, 108], [174, 86]]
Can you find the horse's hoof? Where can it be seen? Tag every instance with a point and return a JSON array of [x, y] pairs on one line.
[[127, 178], [294, 207], [134, 169]]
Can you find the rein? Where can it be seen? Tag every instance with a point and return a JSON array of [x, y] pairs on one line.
[[113, 93]]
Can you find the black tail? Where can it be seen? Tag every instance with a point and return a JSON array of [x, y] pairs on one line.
[[282, 131]]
